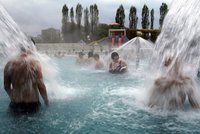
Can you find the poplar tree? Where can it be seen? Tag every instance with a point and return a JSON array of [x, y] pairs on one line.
[[163, 12], [79, 10], [86, 21], [145, 20], [120, 16], [152, 18], [145, 17], [94, 17], [133, 19], [64, 22]]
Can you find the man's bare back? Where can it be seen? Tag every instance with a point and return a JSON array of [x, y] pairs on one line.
[[23, 80]]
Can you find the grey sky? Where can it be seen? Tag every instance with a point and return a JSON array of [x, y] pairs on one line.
[[34, 15]]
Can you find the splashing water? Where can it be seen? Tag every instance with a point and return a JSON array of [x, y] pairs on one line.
[[135, 50], [180, 36], [11, 41], [12, 38], [177, 55]]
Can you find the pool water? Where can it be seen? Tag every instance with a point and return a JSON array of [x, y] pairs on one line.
[[88, 101]]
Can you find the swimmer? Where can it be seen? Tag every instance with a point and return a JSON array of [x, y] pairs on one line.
[[80, 60], [23, 81], [99, 64], [90, 59], [170, 91], [117, 65]]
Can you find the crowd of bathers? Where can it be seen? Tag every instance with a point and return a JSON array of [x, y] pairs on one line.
[[23, 82], [117, 65], [23, 78]]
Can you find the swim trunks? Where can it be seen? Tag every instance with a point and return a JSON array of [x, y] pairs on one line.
[[23, 107]]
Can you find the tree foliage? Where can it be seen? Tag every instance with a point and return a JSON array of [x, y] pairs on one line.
[[133, 19], [94, 17], [145, 17], [79, 10], [65, 22], [163, 12], [86, 22], [72, 15], [120, 15], [152, 18]]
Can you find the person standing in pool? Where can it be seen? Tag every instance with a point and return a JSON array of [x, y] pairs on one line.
[[117, 65], [80, 60], [99, 64], [23, 81], [171, 89], [90, 59]]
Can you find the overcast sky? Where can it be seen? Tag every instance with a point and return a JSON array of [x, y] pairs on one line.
[[34, 15]]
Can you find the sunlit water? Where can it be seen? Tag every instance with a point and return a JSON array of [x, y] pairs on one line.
[[98, 102]]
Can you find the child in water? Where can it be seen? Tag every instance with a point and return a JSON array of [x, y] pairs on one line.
[[99, 64], [117, 66], [81, 60]]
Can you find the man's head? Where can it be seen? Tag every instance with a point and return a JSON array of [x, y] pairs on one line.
[[90, 54], [115, 56], [80, 54], [96, 57]]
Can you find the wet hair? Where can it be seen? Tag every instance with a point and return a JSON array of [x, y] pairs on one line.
[[96, 56], [90, 54], [114, 54]]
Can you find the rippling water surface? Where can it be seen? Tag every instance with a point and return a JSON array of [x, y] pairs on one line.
[[89, 101]]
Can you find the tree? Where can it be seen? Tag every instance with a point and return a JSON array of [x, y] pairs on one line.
[[133, 19], [153, 34], [163, 12], [120, 16], [152, 18], [86, 22], [145, 17], [94, 17], [65, 23], [145, 20], [72, 15], [101, 31], [79, 15]]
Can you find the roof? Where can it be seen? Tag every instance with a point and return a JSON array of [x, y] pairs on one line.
[[114, 24]]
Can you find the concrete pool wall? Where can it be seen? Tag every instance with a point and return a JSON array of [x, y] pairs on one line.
[[69, 48]]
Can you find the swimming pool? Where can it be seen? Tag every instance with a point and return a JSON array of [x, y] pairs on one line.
[[89, 101]]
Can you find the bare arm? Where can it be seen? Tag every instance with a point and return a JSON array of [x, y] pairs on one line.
[[41, 86], [124, 65], [7, 79], [110, 67], [193, 99]]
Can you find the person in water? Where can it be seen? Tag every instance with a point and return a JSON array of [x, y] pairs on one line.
[[23, 81], [90, 58], [171, 89], [80, 60], [99, 64], [117, 65]]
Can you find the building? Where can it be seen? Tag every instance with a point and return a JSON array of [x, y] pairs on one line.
[[51, 35]]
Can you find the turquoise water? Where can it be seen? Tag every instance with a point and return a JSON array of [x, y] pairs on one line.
[[97, 102]]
